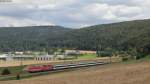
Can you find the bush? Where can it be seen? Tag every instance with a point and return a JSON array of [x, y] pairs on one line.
[[140, 56], [6, 72], [125, 59]]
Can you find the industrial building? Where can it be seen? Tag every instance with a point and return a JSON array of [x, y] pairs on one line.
[[11, 57]]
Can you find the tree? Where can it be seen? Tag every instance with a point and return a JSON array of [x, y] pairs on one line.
[[6, 72]]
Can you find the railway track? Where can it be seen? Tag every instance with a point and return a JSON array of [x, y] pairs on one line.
[[56, 69]]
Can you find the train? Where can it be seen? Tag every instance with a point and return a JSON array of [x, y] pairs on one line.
[[50, 67]]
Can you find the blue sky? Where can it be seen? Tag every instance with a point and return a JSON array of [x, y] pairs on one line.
[[71, 13]]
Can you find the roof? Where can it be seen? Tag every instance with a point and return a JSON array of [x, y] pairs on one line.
[[46, 56], [87, 51], [6, 55], [22, 56]]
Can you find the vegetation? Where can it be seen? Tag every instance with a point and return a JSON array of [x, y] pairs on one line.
[[132, 37], [6, 72], [146, 58], [12, 70]]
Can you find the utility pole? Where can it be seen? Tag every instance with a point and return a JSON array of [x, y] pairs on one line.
[[21, 63]]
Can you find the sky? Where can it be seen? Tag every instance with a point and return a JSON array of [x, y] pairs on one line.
[[71, 13]]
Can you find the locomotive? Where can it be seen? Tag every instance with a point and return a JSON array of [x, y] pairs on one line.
[[39, 68]]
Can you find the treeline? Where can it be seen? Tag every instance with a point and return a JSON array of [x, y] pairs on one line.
[[121, 36]]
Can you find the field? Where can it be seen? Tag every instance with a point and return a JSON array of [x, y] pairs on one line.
[[84, 58], [87, 56], [118, 73], [14, 67]]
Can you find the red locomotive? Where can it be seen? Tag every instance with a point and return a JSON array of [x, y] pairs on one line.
[[39, 68]]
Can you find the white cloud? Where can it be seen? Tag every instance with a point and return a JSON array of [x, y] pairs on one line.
[[112, 12], [9, 21], [72, 13], [96, 9], [109, 16]]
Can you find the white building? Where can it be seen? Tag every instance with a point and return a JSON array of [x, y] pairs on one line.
[[60, 57], [5, 57], [23, 57], [11, 57], [67, 52], [44, 58]]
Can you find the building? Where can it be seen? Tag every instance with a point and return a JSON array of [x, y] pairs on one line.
[[80, 52], [18, 53], [87, 52], [23, 57], [44, 58], [12, 57], [60, 57], [68, 52], [5, 57]]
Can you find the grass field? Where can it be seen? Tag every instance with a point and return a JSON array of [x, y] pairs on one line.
[[87, 56], [135, 72]]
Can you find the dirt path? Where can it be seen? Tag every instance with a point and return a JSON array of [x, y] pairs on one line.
[[138, 73]]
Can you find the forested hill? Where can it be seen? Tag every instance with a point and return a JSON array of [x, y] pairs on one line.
[[120, 36], [117, 36], [28, 38]]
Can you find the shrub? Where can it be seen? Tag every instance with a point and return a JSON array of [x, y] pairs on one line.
[[6, 72], [125, 59]]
